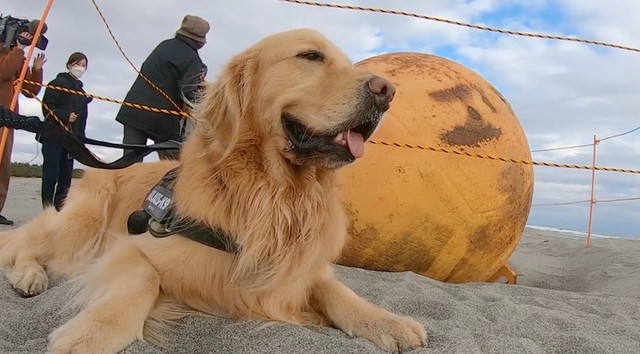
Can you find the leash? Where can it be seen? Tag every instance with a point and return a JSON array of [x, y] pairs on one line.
[[77, 146]]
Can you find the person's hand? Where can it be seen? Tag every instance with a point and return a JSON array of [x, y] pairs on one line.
[[24, 36], [73, 116], [38, 61]]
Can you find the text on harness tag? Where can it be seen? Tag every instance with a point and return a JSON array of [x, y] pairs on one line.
[[158, 202]]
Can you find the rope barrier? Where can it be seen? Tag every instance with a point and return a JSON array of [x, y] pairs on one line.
[[497, 158], [588, 145], [563, 148], [562, 203], [377, 142], [588, 201], [619, 135], [129, 104], [53, 115], [104, 20], [616, 200], [463, 24]]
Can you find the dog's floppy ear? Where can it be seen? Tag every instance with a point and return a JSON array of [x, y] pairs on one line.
[[226, 103]]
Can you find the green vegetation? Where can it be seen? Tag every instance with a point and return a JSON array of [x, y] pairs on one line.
[[19, 169]]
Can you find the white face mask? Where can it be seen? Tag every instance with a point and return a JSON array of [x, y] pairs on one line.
[[77, 71]]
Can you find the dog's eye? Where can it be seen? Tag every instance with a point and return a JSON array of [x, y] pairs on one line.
[[312, 55]]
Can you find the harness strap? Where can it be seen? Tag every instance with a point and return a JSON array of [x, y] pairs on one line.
[[212, 237], [160, 218]]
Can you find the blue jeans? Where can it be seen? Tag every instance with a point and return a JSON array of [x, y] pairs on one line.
[[57, 170]]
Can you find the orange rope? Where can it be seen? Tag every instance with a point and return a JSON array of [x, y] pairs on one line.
[[503, 159], [124, 103], [133, 66], [53, 115], [376, 142], [457, 23]]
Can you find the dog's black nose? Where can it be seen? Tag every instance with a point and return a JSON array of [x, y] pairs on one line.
[[383, 91]]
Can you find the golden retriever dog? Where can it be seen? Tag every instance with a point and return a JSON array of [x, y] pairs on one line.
[[259, 166]]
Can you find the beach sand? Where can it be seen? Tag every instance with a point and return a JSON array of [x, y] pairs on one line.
[[569, 299]]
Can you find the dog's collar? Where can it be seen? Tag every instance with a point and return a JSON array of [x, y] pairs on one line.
[[160, 219]]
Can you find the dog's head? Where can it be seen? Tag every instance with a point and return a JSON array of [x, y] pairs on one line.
[[299, 98]]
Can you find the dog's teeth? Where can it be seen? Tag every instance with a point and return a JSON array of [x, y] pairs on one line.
[[339, 138]]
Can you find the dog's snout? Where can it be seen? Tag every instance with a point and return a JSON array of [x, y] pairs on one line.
[[383, 91]]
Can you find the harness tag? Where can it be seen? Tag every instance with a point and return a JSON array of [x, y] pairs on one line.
[[158, 203]]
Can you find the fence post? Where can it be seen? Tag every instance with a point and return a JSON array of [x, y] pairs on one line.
[[592, 201]]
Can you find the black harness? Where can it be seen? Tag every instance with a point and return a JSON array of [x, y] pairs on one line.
[[160, 219]]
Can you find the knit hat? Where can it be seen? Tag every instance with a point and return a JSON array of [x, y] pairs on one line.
[[195, 28], [33, 25]]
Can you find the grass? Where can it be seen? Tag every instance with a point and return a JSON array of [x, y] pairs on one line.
[[19, 169]]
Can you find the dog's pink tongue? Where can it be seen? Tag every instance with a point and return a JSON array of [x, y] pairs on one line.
[[355, 141]]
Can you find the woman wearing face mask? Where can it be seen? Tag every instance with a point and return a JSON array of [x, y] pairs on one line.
[[71, 109]]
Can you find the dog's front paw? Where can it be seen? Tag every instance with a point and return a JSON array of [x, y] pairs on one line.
[[28, 279], [392, 333], [70, 338], [83, 335]]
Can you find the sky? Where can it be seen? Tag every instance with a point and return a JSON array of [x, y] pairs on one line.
[[562, 92]]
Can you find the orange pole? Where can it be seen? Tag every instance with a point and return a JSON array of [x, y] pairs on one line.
[[592, 201], [23, 73]]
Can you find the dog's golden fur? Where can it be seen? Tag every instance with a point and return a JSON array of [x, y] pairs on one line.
[[239, 172]]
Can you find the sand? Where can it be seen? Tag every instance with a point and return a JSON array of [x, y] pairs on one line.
[[569, 299]]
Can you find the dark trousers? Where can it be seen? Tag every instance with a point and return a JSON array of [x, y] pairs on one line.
[[136, 137], [5, 167], [57, 169]]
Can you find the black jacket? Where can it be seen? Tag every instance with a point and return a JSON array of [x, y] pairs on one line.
[[63, 103], [174, 66]]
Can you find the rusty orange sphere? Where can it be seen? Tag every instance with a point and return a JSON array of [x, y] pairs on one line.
[[449, 217]]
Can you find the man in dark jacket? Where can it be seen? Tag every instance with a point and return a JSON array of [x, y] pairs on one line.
[[174, 67]]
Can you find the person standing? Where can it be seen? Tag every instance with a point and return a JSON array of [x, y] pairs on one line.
[[72, 110], [174, 67], [11, 61]]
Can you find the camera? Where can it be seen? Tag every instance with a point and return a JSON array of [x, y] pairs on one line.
[[12, 27]]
